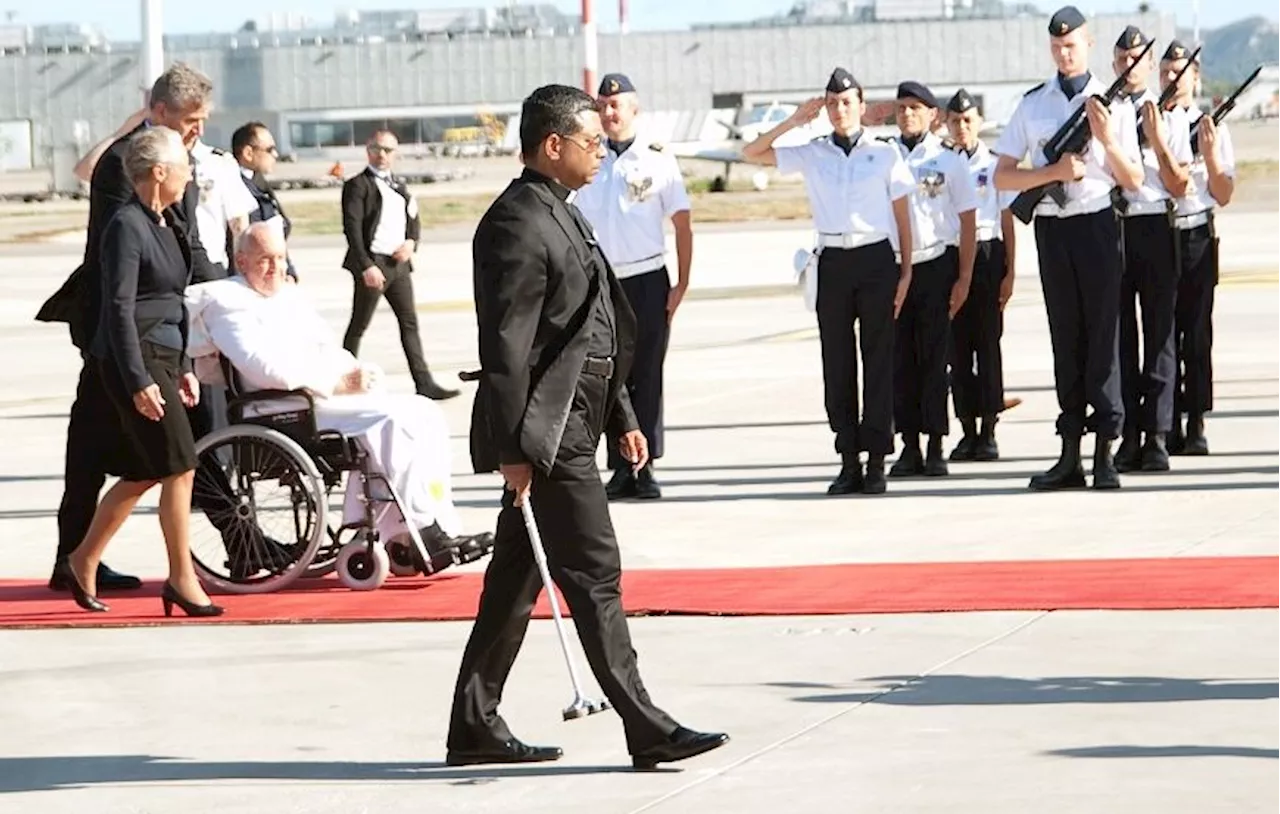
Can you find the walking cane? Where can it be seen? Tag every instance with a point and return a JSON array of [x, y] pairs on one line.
[[581, 706]]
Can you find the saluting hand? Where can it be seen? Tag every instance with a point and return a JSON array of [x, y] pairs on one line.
[[634, 448], [806, 112]]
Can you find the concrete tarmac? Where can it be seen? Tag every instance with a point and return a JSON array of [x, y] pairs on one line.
[[992, 713]]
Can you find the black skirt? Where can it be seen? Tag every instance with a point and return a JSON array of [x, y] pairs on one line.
[[153, 450]]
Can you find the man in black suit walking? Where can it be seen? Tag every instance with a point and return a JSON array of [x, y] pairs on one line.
[[380, 221], [557, 339], [180, 100]]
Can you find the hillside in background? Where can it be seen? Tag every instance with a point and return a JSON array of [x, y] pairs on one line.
[[1232, 51]]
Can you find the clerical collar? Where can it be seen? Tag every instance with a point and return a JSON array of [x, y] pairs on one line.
[[1073, 85], [620, 147], [846, 143], [558, 189]]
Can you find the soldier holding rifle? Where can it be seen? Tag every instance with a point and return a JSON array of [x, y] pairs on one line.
[[1080, 149]]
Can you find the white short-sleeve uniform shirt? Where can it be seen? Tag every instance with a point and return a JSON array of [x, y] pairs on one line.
[[1039, 114], [223, 197], [628, 203], [851, 194], [944, 189]]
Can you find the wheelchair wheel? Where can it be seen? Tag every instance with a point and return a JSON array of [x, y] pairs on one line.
[[363, 567], [259, 513]]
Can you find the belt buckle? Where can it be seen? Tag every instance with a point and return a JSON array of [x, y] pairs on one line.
[[847, 240]]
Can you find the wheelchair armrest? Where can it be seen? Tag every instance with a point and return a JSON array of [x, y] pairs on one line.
[[237, 404]]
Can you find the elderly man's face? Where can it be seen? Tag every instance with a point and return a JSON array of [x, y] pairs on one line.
[[263, 262]]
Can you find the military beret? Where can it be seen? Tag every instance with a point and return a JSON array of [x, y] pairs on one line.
[[841, 80], [1176, 50], [915, 90], [1065, 20], [614, 83], [1131, 37], [962, 101]]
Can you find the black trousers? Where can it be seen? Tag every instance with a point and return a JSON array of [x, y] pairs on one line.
[[977, 367], [1193, 321], [1150, 281], [647, 295], [1080, 270], [399, 293], [95, 444], [921, 347], [572, 512], [858, 286]]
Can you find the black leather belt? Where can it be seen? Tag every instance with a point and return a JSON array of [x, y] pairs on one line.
[[598, 367]]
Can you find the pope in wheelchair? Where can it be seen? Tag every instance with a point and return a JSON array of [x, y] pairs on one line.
[[304, 413]]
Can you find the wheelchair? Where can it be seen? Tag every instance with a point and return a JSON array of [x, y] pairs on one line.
[[262, 514]]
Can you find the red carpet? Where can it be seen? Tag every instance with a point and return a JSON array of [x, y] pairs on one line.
[[1136, 584]]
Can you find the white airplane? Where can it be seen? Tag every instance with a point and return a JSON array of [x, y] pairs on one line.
[[754, 121]]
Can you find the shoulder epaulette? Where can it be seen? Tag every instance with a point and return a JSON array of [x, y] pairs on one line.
[[656, 147], [219, 151], [1036, 88], [886, 139]]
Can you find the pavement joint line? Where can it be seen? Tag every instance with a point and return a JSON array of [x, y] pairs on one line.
[[715, 773], [1220, 532]]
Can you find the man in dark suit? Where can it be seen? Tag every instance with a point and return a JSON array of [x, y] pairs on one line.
[[380, 221], [557, 339], [180, 100], [255, 151]]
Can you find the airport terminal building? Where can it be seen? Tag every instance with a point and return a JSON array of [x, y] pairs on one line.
[[442, 77]]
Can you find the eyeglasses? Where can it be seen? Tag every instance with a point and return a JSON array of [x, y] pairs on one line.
[[270, 148], [592, 144], [378, 148]]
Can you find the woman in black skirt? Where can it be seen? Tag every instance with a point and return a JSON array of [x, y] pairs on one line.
[[140, 353]]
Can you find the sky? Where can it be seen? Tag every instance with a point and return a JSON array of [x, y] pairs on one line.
[[120, 19]]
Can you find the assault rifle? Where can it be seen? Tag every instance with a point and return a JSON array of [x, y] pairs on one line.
[[1072, 137], [1222, 110], [1166, 96]]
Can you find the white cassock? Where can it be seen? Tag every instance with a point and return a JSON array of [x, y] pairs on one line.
[[282, 343]]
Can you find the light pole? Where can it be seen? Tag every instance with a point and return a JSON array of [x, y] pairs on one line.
[[589, 42], [152, 45]]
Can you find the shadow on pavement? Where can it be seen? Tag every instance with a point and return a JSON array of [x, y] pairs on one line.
[[1166, 751]]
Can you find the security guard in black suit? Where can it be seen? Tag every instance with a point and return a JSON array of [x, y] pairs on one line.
[[557, 339], [1078, 245], [255, 151]]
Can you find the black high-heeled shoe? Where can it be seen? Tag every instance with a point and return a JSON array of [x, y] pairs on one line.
[[170, 597], [82, 597]]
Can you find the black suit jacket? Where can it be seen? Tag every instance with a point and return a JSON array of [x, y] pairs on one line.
[[78, 301], [143, 281], [535, 282], [361, 210]]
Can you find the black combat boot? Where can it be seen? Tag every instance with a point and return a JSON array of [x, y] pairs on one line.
[[985, 448], [1155, 455], [1067, 473], [1129, 455], [935, 466], [1196, 443], [968, 442], [1105, 473], [1176, 441], [849, 481], [910, 462], [874, 483]]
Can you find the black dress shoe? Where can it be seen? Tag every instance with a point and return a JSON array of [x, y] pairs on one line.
[[909, 463], [1195, 443], [513, 751], [935, 466], [964, 450], [682, 744], [647, 487], [108, 580], [622, 484]]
